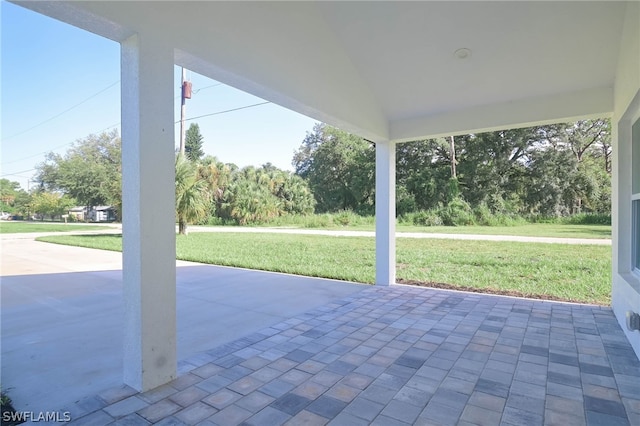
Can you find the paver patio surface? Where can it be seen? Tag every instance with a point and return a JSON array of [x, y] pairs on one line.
[[400, 356], [62, 316], [309, 351]]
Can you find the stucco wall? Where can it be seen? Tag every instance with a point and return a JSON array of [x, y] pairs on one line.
[[626, 284]]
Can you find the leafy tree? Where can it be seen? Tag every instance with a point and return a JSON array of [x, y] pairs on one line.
[[492, 165], [217, 176], [50, 204], [584, 135], [423, 169], [562, 186], [257, 195], [90, 171], [339, 168], [247, 201], [295, 194], [192, 197], [10, 191], [554, 170], [193, 143], [22, 204]]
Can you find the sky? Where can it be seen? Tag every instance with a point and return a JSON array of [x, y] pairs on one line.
[[59, 84]]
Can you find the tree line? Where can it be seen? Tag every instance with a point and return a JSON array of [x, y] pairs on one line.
[[543, 171], [207, 190]]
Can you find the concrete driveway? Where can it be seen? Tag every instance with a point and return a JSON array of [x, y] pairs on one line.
[[62, 314]]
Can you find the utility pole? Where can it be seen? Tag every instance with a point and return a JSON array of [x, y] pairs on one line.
[[452, 151], [186, 94]]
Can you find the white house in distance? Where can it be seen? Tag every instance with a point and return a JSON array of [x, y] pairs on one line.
[[388, 71]]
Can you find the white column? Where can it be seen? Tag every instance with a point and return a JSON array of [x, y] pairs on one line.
[[385, 213], [148, 198]]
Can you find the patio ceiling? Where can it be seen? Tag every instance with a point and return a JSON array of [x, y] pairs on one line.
[[387, 70]]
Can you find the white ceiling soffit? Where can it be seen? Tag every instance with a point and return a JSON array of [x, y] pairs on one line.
[[387, 70]]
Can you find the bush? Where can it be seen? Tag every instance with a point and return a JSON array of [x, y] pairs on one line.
[[317, 221], [485, 217], [218, 221], [457, 213], [405, 202], [343, 218], [588, 219], [576, 219], [426, 218]]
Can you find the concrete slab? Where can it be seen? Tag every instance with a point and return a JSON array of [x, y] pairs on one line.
[[62, 309]]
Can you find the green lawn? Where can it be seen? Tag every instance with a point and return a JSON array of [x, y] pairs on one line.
[[577, 273], [24, 227], [529, 230]]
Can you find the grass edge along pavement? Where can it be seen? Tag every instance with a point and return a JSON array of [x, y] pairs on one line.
[[577, 273], [10, 227], [564, 228]]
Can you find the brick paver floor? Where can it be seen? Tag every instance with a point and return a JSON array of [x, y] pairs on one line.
[[402, 355]]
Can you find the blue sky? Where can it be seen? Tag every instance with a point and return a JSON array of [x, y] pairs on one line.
[[48, 67]]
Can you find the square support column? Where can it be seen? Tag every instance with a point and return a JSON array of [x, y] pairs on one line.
[[148, 198], [385, 213]]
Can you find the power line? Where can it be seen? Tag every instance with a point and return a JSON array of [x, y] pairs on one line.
[[37, 154], [225, 111], [115, 124], [207, 87], [17, 173], [52, 148], [63, 112]]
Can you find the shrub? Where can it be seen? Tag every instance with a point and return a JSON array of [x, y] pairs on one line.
[[427, 218], [317, 221], [405, 202], [485, 217], [576, 219], [457, 213], [588, 219]]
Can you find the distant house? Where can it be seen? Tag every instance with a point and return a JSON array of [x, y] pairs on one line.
[[79, 213], [94, 214], [102, 214]]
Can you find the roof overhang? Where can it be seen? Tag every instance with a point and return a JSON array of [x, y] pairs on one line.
[[387, 70]]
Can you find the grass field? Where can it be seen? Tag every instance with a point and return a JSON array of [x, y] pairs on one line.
[[529, 230], [351, 221], [578, 273], [25, 227]]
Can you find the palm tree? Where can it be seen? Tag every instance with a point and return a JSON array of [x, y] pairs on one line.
[[192, 197]]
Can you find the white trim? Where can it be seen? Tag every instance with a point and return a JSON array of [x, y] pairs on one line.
[[622, 211]]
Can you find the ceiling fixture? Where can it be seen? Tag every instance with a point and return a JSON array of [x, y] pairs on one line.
[[462, 53]]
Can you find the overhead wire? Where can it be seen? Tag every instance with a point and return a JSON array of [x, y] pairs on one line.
[[16, 173], [63, 112], [225, 111], [115, 124], [52, 148], [108, 127]]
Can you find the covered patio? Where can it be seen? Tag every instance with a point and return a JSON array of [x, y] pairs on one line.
[[400, 356], [265, 348], [390, 72]]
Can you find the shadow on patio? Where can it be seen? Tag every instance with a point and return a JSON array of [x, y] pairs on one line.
[[62, 335]]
